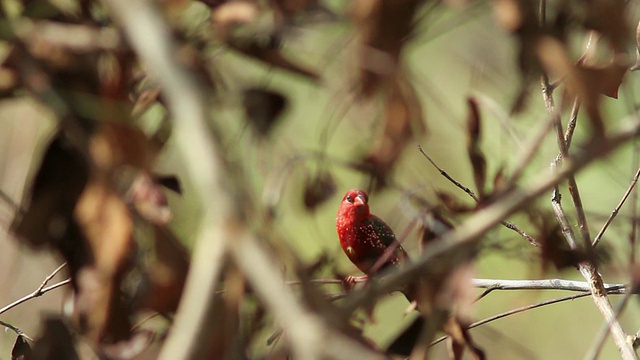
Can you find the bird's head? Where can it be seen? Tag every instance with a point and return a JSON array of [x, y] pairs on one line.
[[355, 203]]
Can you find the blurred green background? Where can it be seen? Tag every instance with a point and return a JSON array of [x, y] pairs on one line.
[[456, 52]]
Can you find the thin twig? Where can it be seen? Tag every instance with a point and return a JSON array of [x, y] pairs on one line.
[[40, 290], [448, 177], [508, 225], [9, 201], [519, 310], [16, 330], [615, 211], [468, 233], [573, 121], [530, 149]]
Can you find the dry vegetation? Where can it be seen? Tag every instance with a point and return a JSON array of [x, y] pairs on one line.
[[126, 82]]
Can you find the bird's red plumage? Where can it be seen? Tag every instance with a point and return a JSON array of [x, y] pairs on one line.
[[365, 237]]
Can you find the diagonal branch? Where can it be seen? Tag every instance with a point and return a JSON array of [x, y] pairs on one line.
[[615, 211], [460, 240], [470, 192], [41, 290], [519, 310]]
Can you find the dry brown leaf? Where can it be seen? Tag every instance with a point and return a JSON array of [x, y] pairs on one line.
[[608, 17], [459, 339], [59, 181], [55, 342], [476, 156], [106, 222], [318, 189], [170, 182], [263, 108], [107, 225], [21, 349], [403, 119], [554, 57], [554, 248], [453, 203], [168, 272], [604, 80], [385, 25], [520, 17]]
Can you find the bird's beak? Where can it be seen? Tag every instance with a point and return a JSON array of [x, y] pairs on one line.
[[359, 200]]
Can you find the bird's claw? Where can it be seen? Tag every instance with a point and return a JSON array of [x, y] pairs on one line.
[[350, 281]]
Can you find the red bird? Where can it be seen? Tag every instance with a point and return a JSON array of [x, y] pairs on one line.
[[365, 237]]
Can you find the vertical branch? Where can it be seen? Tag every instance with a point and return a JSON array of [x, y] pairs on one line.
[[633, 233], [587, 268]]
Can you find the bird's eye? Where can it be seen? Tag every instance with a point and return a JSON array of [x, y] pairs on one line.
[[350, 198]]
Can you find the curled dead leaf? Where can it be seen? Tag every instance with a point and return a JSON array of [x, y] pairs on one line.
[[58, 183], [263, 109], [460, 339], [476, 156], [21, 349], [554, 57], [55, 342], [318, 189]]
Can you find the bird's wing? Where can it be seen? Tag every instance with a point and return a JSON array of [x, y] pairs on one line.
[[384, 232], [387, 237]]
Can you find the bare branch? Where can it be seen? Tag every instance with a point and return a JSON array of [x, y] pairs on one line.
[[310, 337], [595, 350], [16, 330], [545, 284], [41, 290], [499, 284], [508, 225], [519, 310], [587, 268], [469, 232], [615, 211]]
